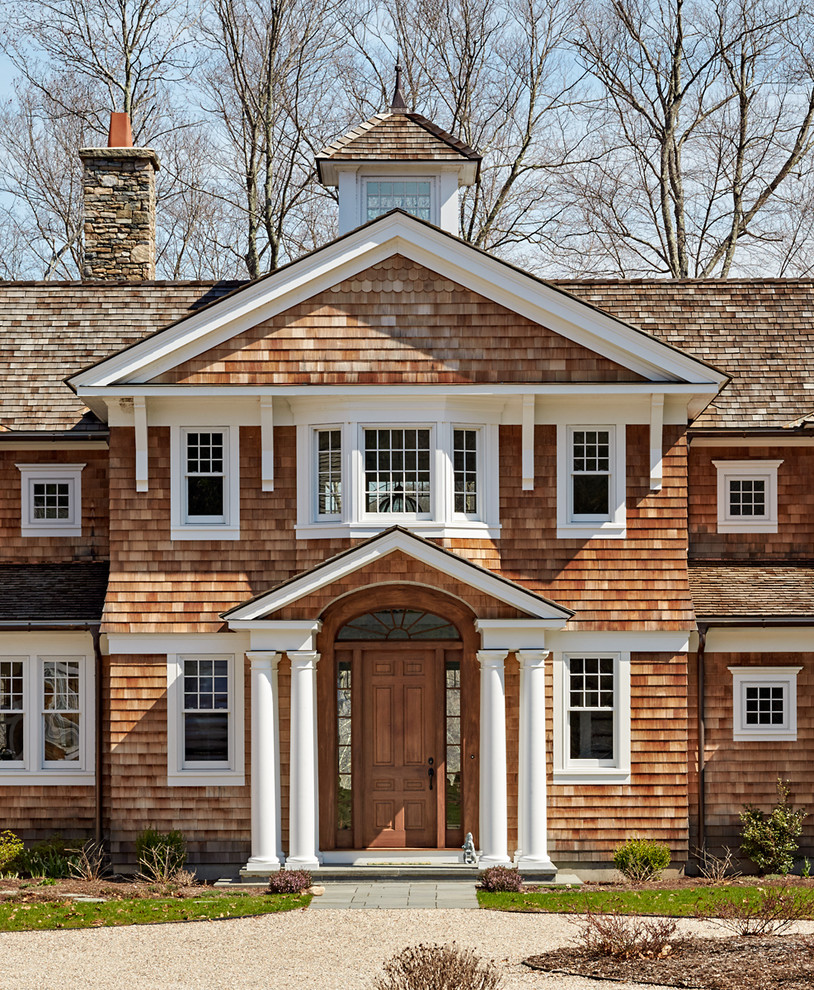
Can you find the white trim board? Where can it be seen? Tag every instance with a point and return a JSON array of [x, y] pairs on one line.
[[381, 546], [391, 234], [161, 644], [758, 639]]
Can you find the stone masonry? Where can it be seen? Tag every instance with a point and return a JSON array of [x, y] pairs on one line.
[[119, 195]]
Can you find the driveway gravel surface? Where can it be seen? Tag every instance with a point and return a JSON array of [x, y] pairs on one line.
[[317, 950]]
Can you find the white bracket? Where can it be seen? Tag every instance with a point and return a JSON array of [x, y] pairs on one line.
[[140, 424], [656, 441], [528, 443], [267, 443]]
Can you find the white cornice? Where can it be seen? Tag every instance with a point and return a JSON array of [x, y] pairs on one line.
[[399, 234]]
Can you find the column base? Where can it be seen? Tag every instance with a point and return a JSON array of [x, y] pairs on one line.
[[536, 864], [302, 863], [263, 864], [484, 862]]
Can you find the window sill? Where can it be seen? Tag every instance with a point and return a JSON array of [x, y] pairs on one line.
[[206, 778], [37, 778], [748, 527], [453, 530], [591, 531], [596, 775], [43, 532], [763, 735], [205, 533]]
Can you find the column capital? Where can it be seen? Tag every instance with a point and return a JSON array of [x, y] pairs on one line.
[[260, 658], [303, 658], [532, 658], [492, 658]]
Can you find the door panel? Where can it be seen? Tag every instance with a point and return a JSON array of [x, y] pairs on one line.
[[402, 725]]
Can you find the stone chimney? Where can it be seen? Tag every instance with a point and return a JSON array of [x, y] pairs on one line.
[[119, 194]]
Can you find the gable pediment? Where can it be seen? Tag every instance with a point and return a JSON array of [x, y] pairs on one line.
[[391, 545], [396, 322], [453, 314]]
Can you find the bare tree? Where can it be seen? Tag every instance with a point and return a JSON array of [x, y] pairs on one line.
[[702, 112], [267, 85]]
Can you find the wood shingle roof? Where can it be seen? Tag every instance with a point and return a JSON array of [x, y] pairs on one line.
[[397, 137], [766, 590]]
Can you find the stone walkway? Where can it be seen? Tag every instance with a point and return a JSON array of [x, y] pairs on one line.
[[382, 894]]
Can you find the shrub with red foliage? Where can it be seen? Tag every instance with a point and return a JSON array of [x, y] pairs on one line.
[[500, 879], [289, 882]]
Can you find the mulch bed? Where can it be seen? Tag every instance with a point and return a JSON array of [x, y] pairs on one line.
[[114, 889], [785, 961]]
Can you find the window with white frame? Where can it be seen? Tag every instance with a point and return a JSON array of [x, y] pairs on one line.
[[414, 196], [46, 718], [51, 499], [362, 477], [205, 720], [764, 703], [205, 490], [592, 717], [747, 496], [591, 481], [397, 471]]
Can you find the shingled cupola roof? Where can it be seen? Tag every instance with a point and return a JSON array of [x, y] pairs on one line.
[[398, 135]]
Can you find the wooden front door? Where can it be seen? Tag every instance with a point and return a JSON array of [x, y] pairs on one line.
[[402, 739]]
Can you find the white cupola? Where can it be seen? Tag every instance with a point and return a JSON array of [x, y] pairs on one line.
[[398, 160]]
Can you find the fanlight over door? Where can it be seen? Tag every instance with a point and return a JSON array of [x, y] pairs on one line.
[[398, 623]]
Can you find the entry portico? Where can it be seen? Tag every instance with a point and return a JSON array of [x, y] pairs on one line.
[[398, 651]]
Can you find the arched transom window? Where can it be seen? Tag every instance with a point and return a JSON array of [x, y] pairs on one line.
[[398, 623]]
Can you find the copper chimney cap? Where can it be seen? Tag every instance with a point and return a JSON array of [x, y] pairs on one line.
[[120, 134]]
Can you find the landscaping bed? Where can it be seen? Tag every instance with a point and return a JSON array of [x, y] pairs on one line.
[[733, 963]]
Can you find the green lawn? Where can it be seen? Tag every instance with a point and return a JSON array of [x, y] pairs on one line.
[[68, 914], [679, 903]]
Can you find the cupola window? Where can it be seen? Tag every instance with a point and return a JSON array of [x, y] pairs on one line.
[[412, 196]]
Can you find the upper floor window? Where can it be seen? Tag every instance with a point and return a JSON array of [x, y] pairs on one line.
[[364, 477], [764, 703], [747, 496], [205, 492], [45, 718], [591, 481], [397, 471], [51, 499], [411, 195]]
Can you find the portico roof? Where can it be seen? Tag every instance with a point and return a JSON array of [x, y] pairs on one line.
[[396, 538]]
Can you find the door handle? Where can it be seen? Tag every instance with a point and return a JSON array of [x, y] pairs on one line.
[[431, 771]]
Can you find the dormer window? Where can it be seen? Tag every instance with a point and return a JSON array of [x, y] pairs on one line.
[[411, 195]]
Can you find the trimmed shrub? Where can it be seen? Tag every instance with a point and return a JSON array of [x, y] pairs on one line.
[[773, 912], [289, 882], [770, 841], [161, 855], [438, 967], [10, 848], [639, 860], [500, 879]]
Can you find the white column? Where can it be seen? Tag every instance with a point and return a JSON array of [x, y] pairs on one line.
[[303, 836], [266, 847], [494, 816], [532, 832]]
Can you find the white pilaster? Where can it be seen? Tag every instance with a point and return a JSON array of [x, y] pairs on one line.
[[265, 778], [494, 817], [532, 833], [303, 844]]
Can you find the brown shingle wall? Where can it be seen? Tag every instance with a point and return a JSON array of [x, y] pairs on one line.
[[157, 585], [92, 544], [216, 821], [35, 813], [740, 773], [438, 332], [639, 581], [587, 821], [794, 538]]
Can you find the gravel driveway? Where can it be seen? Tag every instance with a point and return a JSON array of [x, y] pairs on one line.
[[318, 950]]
